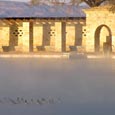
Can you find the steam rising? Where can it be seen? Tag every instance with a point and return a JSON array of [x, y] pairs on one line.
[[84, 86]]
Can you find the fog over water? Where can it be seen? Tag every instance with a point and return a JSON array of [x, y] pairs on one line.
[[79, 86]]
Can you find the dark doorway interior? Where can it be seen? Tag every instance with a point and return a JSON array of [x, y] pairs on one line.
[[107, 45]]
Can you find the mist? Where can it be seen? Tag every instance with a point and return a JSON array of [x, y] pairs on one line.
[[83, 86]]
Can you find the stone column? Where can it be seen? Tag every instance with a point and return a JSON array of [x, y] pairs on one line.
[[4, 37], [37, 36], [25, 38], [63, 36], [84, 36], [31, 36], [113, 44], [60, 36]]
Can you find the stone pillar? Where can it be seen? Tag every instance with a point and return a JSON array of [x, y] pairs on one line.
[[60, 36], [4, 37], [113, 44], [37, 36], [84, 36], [1, 39], [63, 36], [70, 35], [31, 36], [25, 39]]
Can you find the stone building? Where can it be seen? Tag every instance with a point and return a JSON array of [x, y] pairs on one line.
[[25, 28], [100, 30]]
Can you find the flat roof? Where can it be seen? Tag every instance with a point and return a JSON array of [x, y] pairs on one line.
[[11, 9]]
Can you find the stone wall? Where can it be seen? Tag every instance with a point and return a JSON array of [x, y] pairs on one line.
[[74, 35], [4, 37], [99, 20], [40, 35], [14, 37], [44, 36], [64, 35], [52, 36]]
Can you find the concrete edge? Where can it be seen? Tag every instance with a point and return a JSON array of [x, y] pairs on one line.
[[100, 57], [57, 56], [34, 56]]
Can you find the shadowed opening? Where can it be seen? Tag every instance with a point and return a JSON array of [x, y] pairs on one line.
[[107, 44]]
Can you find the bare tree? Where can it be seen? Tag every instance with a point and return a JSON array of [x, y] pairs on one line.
[[112, 1], [91, 3], [35, 2], [112, 8]]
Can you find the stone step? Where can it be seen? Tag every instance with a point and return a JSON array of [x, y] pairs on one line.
[[39, 48], [18, 48], [1, 49], [49, 48], [80, 49]]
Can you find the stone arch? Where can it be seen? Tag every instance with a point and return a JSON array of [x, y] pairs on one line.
[[108, 39]]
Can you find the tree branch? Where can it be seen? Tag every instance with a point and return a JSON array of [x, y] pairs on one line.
[[99, 3]]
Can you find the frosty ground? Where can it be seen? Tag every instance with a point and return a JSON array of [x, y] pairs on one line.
[[83, 86]]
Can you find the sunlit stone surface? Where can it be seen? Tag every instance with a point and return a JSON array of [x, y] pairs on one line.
[[99, 28]]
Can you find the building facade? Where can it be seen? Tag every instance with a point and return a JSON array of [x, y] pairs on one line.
[[57, 29], [34, 35], [26, 28], [100, 30]]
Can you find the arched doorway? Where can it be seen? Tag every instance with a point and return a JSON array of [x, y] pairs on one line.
[[103, 39]]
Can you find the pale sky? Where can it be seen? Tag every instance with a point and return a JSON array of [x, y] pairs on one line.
[[16, 0], [23, 0]]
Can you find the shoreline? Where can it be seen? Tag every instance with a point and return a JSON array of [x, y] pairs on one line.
[[65, 55]]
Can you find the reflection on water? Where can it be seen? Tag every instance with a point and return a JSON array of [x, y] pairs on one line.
[[84, 86], [21, 100]]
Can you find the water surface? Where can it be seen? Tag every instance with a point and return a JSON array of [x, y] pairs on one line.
[[78, 86]]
